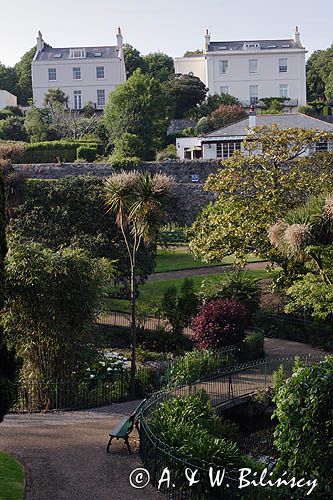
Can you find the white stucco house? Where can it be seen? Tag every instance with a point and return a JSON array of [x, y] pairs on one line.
[[83, 73], [7, 99], [221, 144], [251, 69]]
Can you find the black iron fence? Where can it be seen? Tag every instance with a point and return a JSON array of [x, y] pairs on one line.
[[82, 393], [225, 390], [117, 319]]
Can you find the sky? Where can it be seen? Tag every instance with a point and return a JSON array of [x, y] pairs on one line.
[[171, 26]]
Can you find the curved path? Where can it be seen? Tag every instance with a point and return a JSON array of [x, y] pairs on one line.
[[202, 271], [64, 455], [64, 452]]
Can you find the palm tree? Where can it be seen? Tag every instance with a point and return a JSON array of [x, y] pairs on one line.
[[306, 232], [138, 201]]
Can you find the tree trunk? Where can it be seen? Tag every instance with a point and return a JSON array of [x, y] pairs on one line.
[[133, 333]]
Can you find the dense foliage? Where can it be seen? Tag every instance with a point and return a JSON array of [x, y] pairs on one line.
[[179, 308], [304, 434], [52, 300], [187, 425], [219, 323], [319, 75], [6, 361], [274, 177], [186, 92], [236, 285], [139, 107], [71, 212], [306, 235]]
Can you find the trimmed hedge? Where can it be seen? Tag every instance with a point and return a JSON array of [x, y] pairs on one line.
[[52, 152], [87, 153]]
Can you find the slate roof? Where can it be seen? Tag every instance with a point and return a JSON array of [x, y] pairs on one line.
[[263, 45], [292, 120], [48, 54]]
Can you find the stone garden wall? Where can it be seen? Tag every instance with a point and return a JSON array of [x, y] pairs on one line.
[[190, 177]]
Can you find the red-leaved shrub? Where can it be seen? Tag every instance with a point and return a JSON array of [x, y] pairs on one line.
[[219, 323]]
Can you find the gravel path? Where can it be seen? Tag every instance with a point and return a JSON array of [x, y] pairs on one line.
[[201, 271], [64, 455], [64, 452]]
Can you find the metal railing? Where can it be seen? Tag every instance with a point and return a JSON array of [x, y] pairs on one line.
[[82, 393], [225, 390], [117, 319]]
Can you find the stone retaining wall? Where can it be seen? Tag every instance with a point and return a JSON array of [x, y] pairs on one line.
[[189, 176]]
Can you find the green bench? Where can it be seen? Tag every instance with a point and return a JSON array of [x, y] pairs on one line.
[[125, 427]]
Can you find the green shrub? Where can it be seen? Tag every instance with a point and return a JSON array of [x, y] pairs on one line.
[[187, 424], [52, 152], [173, 235], [162, 341], [169, 153], [7, 395], [236, 285], [252, 347], [129, 146], [196, 364], [304, 432], [179, 308], [123, 162], [86, 153]]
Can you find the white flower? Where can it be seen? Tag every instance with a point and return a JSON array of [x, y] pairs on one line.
[[102, 363], [92, 376], [108, 369], [88, 369]]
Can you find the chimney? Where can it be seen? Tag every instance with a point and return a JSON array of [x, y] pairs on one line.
[[252, 117], [207, 40], [119, 38], [40, 42], [297, 36]]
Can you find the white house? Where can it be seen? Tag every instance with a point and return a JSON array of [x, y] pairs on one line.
[[7, 99], [221, 144], [82, 73], [251, 69]]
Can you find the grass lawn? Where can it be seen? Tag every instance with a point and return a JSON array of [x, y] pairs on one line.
[[151, 293], [11, 478], [179, 258]]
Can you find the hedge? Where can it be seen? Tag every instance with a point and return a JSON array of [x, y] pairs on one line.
[[52, 152], [87, 153]]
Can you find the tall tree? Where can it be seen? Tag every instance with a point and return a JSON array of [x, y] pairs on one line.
[[134, 60], [6, 359], [70, 212], [140, 107], [187, 92], [8, 79], [138, 202], [211, 103], [257, 188], [319, 75], [160, 66], [53, 299], [23, 71]]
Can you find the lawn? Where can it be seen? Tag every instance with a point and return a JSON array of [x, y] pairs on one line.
[[179, 258], [11, 478], [152, 292]]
